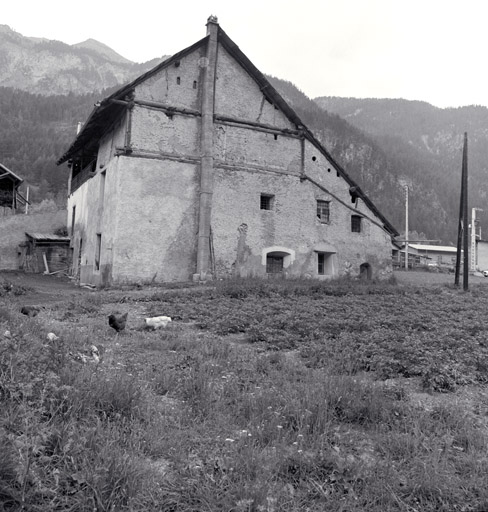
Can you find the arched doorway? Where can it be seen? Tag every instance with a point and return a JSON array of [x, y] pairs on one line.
[[365, 271]]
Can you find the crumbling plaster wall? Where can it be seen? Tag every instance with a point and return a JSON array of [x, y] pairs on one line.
[[250, 162], [237, 146], [177, 85], [237, 95], [155, 132], [241, 230], [97, 212], [157, 225]]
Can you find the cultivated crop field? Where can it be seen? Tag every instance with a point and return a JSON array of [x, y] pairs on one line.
[[259, 396]]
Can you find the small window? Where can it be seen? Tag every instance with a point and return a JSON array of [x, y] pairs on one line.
[[274, 264], [321, 263], [194, 84], [323, 210], [356, 223], [73, 217], [98, 250], [325, 263], [102, 186], [267, 202], [178, 80]]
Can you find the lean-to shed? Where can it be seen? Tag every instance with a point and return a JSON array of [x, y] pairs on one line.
[[44, 253]]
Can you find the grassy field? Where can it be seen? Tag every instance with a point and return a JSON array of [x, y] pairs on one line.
[[259, 397]]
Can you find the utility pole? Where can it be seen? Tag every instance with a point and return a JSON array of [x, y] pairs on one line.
[[463, 221], [406, 227], [465, 213]]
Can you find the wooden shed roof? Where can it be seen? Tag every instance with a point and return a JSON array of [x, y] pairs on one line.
[[48, 237], [6, 173]]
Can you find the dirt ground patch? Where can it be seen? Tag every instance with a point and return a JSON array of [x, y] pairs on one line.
[[39, 288]]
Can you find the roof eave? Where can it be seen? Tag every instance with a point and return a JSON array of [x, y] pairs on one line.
[[18, 179], [106, 104]]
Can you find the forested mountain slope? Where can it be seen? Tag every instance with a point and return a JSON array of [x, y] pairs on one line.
[[426, 142], [34, 132]]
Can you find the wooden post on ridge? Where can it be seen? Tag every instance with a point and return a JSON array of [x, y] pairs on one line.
[[462, 240], [465, 213]]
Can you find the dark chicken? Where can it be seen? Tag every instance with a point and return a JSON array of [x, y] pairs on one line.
[[117, 321], [30, 310]]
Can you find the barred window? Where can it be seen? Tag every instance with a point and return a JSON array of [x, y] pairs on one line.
[[323, 210], [274, 264], [266, 202], [356, 223]]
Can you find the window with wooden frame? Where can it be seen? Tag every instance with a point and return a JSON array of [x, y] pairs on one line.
[[325, 263], [321, 263], [323, 211], [356, 221], [267, 201]]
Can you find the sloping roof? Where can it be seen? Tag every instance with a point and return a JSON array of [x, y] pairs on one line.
[[48, 237], [433, 248], [106, 111], [3, 170]]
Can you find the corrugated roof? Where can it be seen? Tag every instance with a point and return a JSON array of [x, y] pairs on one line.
[[437, 248], [4, 169], [48, 237]]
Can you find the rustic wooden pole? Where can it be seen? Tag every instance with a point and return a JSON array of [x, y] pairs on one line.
[[465, 214], [460, 231]]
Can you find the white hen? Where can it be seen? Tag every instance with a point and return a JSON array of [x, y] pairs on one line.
[[157, 322]]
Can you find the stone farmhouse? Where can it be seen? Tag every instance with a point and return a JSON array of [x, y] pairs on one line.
[[199, 169]]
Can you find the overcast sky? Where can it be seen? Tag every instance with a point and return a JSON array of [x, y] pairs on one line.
[[430, 50]]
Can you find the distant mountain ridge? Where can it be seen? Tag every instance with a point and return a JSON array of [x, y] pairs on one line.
[[47, 67], [102, 49]]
